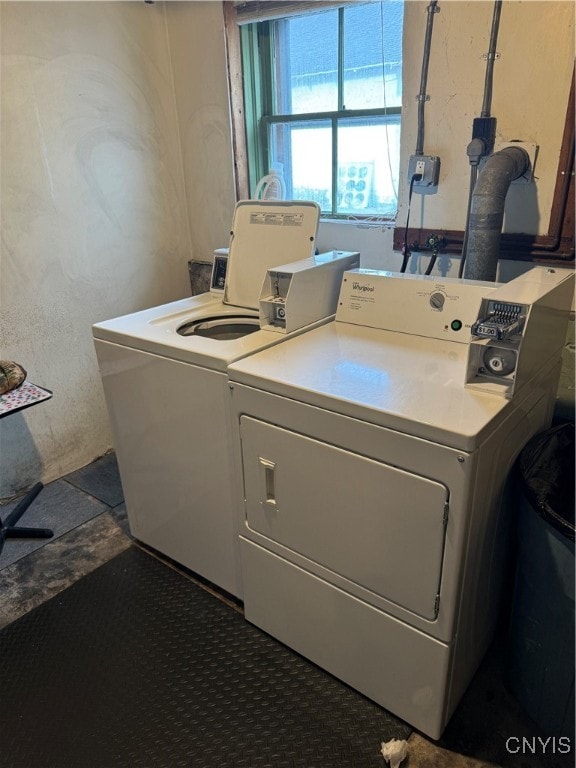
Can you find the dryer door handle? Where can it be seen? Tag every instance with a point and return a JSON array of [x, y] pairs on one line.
[[267, 470]]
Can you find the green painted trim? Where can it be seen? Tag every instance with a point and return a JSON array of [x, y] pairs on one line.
[[307, 117], [260, 98]]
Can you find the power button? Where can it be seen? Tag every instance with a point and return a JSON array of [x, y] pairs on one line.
[[456, 325]]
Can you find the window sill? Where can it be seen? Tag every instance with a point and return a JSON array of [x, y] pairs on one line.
[[367, 223]]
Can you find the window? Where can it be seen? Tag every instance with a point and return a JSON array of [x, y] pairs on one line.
[[322, 96]]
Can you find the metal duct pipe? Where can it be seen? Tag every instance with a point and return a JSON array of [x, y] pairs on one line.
[[487, 211]]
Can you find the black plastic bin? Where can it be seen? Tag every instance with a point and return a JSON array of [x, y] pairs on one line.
[[541, 640]]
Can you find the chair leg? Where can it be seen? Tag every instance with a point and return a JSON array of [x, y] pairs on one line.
[[20, 532], [8, 529], [22, 505]]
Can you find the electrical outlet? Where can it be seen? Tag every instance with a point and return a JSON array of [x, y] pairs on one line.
[[427, 166]]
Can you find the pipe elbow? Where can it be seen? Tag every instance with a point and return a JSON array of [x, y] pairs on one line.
[[487, 210], [500, 170]]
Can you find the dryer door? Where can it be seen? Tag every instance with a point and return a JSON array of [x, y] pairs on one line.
[[372, 523]]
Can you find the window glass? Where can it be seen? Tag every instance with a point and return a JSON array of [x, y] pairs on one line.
[[307, 64], [325, 102], [306, 150], [368, 162], [373, 55]]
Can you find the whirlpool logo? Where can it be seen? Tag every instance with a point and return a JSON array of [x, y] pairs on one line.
[[363, 288]]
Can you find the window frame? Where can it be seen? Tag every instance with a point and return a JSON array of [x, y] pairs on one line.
[[556, 247], [256, 47]]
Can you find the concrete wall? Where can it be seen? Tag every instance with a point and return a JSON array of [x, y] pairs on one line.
[[94, 216], [117, 169], [198, 59]]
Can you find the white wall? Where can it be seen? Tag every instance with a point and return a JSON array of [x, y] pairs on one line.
[[196, 32], [117, 169], [530, 94], [94, 218]]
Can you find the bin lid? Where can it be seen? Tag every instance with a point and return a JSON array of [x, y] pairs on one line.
[[547, 475]]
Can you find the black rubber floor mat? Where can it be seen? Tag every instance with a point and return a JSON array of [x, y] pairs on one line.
[[135, 665]]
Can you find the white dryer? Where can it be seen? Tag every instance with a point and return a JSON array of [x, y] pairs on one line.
[[372, 455], [165, 382]]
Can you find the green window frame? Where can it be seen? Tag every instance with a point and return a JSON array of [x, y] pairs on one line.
[[258, 47]]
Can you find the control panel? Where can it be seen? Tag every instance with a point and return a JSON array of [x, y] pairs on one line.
[[219, 268], [422, 305], [520, 328], [304, 292], [512, 329]]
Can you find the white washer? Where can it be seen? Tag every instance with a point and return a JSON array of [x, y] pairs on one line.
[[168, 399], [371, 478]]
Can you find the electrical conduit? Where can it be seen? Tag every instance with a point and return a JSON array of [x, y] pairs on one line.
[[422, 96]]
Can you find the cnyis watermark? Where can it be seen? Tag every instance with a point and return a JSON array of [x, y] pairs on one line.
[[538, 745]]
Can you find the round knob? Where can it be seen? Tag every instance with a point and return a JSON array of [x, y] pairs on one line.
[[437, 300]]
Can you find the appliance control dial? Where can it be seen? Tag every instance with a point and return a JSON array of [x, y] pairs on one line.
[[437, 300]]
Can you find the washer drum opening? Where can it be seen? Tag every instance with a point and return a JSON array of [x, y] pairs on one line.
[[221, 328]]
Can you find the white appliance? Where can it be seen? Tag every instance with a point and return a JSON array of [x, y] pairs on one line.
[[164, 377], [372, 455]]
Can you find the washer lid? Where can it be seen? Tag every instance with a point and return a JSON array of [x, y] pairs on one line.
[[266, 234]]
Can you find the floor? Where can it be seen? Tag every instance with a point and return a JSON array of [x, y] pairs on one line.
[[489, 727]]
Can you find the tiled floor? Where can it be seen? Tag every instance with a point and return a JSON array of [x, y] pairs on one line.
[[91, 500], [90, 528]]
